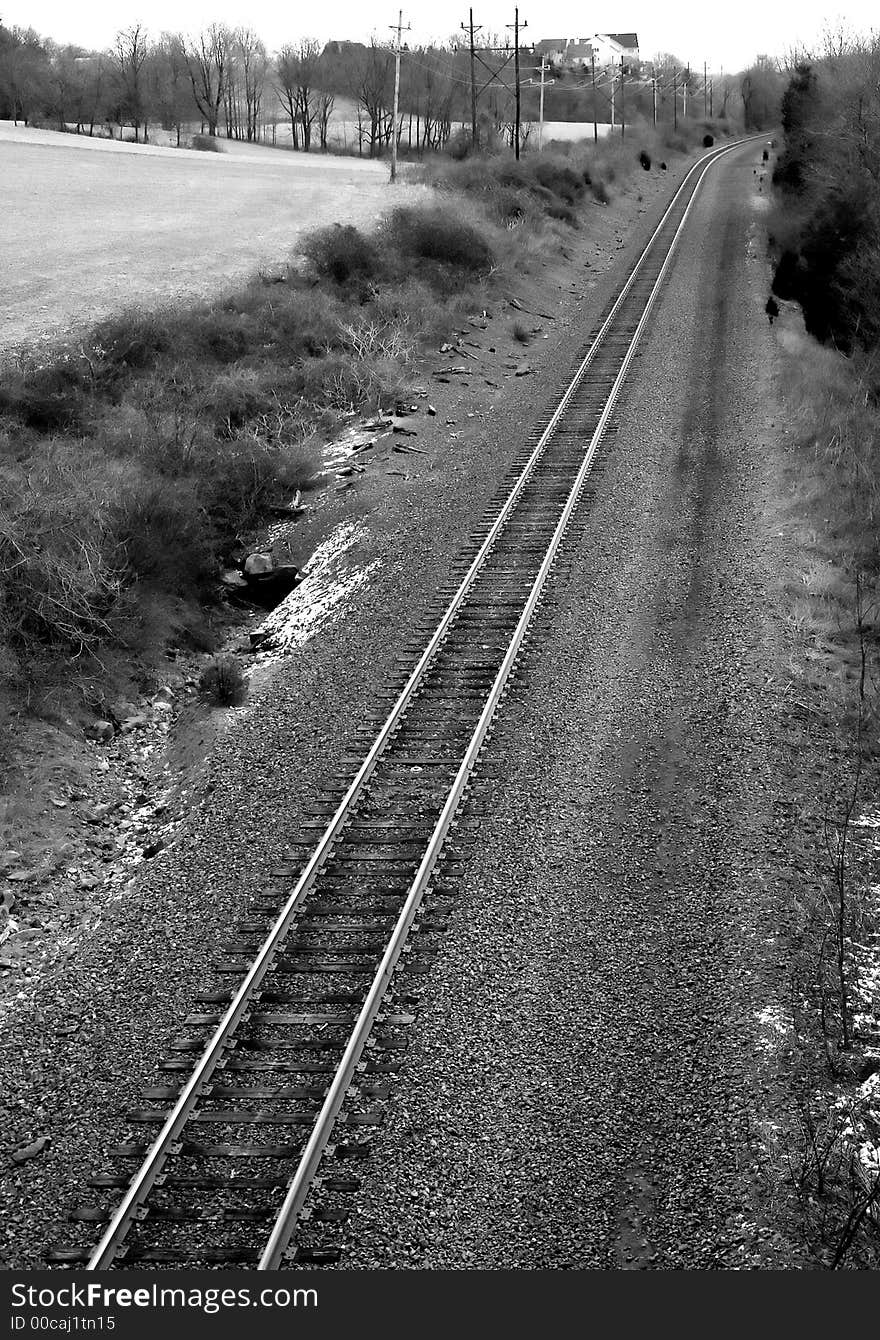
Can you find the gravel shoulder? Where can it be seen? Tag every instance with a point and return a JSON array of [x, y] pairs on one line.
[[590, 1075], [84, 1036]]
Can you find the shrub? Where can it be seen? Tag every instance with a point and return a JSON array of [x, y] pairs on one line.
[[342, 253], [302, 324], [225, 335], [240, 480], [132, 340], [48, 399], [163, 535], [222, 682], [59, 580], [520, 332], [438, 234], [562, 180], [564, 213], [708, 141], [599, 192], [645, 160], [206, 144], [234, 397]]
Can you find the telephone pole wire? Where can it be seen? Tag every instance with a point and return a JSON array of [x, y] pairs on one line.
[[516, 26], [593, 71], [397, 49], [469, 28]]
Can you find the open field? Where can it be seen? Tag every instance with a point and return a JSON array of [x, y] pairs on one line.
[[92, 226]]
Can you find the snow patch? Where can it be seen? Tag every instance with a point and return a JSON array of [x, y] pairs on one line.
[[329, 580], [776, 1025]]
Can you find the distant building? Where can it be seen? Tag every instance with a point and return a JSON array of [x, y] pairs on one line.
[[578, 52], [552, 49], [615, 48]]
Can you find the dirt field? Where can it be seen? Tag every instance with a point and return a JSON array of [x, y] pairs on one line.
[[91, 226]]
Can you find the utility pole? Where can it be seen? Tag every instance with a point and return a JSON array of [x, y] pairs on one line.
[[515, 26], [711, 91], [685, 91], [397, 49], [654, 96], [622, 106], [674, 100], [595, 127], [613, 78], [705, 92], [470, 28], [541, 110]]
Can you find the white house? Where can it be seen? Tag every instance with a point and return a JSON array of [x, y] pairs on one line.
[[615, 48]]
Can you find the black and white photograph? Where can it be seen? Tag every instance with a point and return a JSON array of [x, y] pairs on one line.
[[439, 653]]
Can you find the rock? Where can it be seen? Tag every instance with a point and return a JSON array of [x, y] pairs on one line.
[[270, 588], [100, 731], [153, 848], [257, 564], [136, 722], [233, 578], [58, 801], [524, 370], [98, 813], [431, 410], [30, 1151]]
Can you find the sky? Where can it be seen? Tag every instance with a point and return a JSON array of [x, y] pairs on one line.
[[726, 34]]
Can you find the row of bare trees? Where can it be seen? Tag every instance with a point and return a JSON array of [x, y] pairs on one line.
[[226, 82]]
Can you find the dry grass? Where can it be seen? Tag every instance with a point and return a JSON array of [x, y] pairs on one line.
[[834, 507]]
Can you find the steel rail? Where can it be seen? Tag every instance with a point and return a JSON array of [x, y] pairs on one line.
[[165, 1143], [285, 1224]]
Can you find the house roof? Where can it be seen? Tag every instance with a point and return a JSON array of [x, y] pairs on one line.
[[629, 40], [576, 49], [551, 44]]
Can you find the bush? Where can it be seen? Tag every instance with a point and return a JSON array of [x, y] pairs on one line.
[[342, 253], [59, 577], [599, 192], [708, 141], [562, 180], [48, 399], [244, 477], [564, 213], [206, 144], [234, 397], [222, 682], [645, 160], [226, 336], [438, 234], [164, 536], [133, 340]]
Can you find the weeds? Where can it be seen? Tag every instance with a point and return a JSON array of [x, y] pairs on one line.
[[222, 682]]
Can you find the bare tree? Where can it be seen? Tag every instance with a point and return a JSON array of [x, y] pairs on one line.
[[207, 62], [255, 67], [130, 54], [295, 84], [172, 94]]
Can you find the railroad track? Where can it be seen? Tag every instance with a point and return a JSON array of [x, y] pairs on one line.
[[300, 1043]]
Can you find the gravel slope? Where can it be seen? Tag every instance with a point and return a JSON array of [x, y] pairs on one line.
[[81, 1043], [585, 1086]]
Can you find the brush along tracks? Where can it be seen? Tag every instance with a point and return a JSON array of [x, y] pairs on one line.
[[301, 1040]]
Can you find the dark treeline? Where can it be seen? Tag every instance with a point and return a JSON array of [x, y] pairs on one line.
[[225, 82], [827, 231]]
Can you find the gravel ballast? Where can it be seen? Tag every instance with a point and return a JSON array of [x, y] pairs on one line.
[[585, 1087]]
